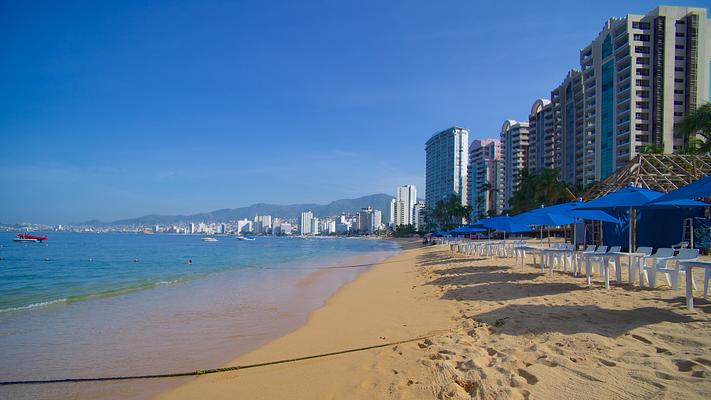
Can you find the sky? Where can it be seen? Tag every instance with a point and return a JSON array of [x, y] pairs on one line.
[[112, 110]]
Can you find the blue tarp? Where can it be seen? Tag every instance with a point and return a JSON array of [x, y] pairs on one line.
[[656, 227]]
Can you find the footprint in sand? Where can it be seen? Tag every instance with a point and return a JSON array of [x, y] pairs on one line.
[[529, 377], [642, 339], [608, 363]]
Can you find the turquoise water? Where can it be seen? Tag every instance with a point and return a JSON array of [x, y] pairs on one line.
[[78, 305], [71, 267]]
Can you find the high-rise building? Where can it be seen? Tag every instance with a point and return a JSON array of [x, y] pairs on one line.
[[315, 226], [419, 211], [577, 160], [514, 150], [447, 155], [377, 220], [364, 220], [305, 222], [543, 144], [244, 226], [641, 76], [485, 178], [403, 205]]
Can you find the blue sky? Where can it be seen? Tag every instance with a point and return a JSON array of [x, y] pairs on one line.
[[118, 109]]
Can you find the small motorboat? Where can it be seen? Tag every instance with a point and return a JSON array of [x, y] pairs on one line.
[[24, 237], [248, 238], [209, 239]]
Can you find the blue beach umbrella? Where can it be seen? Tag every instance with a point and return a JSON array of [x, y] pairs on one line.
[[466, 230], [593, 215], [624, 198], [694, 190], [504, 224]]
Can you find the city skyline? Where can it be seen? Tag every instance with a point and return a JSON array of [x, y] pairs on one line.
[[176, 124]]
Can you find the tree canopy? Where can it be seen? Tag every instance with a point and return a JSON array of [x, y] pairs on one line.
[[695, 128], [541, 187]]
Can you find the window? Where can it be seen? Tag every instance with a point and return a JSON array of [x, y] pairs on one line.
[[680, 22], [679, 58], [641, 49], [679, 69], [678, 103], [680, 34], [643, 104], [642, 37], [643, 71], [643, 94], [641, 115], [679, 80], [678, 114], [642, 82], [678, 91], [640, 25], [643, 61], [679, 47], [641, 127]]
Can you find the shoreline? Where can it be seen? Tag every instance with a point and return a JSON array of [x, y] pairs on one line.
[[337, 325], [230, 312], [498, 332]]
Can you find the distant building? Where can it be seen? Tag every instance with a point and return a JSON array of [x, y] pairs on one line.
[[485, 178], [315, 226], [402, 207], [285, 229], [365, 220], [514, 150], [305, 223], [244, 226], [191, 228], [543, 144], [377, 220], [419, 210], [446, 167]]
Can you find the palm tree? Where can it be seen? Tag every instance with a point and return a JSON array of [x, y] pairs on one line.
[[695, 128]]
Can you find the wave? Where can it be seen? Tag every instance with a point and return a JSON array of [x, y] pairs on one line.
[[98, 295], [35, 305]]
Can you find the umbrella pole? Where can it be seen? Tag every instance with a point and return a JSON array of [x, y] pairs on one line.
[[691, 234], [549, 236]]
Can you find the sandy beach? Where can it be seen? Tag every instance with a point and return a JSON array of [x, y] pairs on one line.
[[495, 332]]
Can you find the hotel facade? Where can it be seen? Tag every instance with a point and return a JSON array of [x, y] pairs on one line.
[[446, 170], [637, 79]]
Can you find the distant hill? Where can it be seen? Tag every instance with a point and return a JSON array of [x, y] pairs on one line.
[[377, 201]]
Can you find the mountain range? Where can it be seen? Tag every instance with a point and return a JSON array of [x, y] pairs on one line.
[[378, 201]]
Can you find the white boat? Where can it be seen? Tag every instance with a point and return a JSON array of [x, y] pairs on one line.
[[209, 239], [250, 238], [25, 240]]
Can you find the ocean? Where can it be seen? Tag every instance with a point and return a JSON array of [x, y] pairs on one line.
[[86, 304]]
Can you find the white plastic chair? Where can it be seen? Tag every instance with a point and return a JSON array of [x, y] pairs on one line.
[[633, 270], [659, 259], [672, 273]]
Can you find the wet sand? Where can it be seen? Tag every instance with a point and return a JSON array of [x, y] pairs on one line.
[[497, 333]]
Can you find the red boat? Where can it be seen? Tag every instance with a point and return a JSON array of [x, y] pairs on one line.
[[23, 237]]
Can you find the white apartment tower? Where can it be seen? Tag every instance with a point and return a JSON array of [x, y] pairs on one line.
[[404, 205], [485, 178], [641, 76], [514, 153], [446, 166], [305, 222]]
